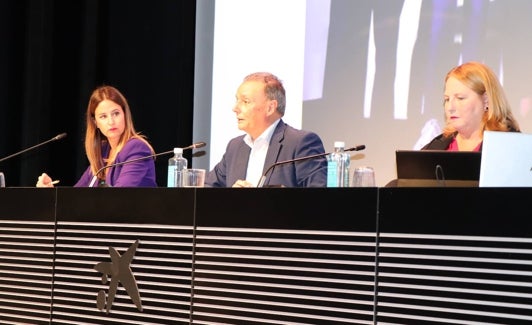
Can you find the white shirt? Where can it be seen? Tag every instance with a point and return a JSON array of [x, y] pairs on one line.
[[257, 156]]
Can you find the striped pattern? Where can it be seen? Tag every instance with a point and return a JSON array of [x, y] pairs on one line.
[[162, 267], [454, 279], [26, 269], [299, 264], [283, 277]]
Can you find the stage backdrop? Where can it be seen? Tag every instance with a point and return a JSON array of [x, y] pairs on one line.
[[364, 72]]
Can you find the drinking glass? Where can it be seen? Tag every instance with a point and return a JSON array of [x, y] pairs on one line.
[[363, 176], [193, 177]]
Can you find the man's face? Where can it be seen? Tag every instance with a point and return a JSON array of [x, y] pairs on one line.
[[252, 108]]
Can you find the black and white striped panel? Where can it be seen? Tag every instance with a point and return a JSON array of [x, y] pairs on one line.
[[162, 268], [454, 279], [273, 276], [454, 256], [26, 268]]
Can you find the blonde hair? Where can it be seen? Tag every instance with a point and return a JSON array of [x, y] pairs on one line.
[[94, 138], [482, 80]]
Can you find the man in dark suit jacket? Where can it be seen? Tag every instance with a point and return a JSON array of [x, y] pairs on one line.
[[259, 109]]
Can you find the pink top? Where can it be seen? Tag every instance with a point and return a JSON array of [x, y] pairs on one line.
[[454, 146]]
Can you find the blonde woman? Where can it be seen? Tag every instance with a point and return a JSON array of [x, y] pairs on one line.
[[474, 101]]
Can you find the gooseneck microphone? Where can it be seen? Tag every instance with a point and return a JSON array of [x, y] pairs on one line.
[[95, 177], [57, 137], [263, 178]]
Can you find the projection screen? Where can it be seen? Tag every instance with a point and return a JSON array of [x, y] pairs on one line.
[[363, 72]]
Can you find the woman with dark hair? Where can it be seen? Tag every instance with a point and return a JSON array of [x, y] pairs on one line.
[[110, 139]]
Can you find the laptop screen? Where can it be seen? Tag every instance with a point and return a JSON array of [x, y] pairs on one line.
[[506, 159], [437, 168]]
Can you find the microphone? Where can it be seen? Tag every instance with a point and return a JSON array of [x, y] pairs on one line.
[[196, 145], [57, 137], [263, 178], [95, 177]]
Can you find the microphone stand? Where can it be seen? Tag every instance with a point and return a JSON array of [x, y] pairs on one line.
[[263, 178], [95, 177], [57, 137]]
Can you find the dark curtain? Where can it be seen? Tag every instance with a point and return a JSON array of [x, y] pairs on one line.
[[54, 53]]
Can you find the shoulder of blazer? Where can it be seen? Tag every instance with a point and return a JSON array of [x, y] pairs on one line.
[[440, 142], [279, 132]]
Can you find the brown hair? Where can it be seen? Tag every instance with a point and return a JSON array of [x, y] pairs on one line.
[[94, 138]]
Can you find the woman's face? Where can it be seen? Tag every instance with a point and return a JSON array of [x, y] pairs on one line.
[[109, 117], [464, 108]]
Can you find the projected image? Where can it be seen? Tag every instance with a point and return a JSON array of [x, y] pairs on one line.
[[367, 72], [384, 67]]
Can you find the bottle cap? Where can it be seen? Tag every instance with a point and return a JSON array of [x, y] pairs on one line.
[[339, 144], [178, 150]]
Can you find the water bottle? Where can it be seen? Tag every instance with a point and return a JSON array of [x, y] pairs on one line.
[[338, 166], [176, 165]]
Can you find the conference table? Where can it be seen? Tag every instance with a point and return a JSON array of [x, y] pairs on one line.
[[453, 255]]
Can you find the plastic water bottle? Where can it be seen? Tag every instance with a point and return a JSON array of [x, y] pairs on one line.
[[338, 166], [176, 165]]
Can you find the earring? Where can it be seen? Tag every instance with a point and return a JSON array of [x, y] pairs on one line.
[[486, 109]]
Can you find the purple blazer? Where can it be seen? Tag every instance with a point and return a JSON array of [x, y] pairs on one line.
[[286, 143], [136, 174]]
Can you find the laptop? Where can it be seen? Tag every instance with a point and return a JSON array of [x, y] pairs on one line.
[[506, 159], [437, 168]]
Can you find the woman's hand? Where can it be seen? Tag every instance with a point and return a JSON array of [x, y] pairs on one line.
[[44, 181]]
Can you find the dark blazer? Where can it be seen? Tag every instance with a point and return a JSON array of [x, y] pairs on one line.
[[440, 142], [286, 143], [136, 174]]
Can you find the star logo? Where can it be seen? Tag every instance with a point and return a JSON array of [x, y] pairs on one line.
[[119, 271]]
